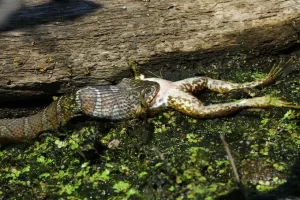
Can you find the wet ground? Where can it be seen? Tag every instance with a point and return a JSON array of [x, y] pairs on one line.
[[169, 156]]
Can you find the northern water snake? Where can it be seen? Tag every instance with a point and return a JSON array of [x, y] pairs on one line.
[[134, 98], [128, 99]]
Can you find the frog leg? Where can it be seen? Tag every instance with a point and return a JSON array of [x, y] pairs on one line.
[[197, 84], [190, 105]]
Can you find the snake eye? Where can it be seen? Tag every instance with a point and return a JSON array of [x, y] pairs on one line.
[[148, 90]]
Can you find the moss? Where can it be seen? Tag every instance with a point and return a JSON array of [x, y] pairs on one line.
[[169, 156]]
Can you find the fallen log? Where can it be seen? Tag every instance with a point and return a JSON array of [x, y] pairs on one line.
[[48, 47]]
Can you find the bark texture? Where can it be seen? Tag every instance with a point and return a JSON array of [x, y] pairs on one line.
[[48, 47]]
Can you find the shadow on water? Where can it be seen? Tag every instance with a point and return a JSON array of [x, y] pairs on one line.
[[31, 16]]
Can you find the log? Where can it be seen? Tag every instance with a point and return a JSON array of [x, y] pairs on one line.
[[50, 47]]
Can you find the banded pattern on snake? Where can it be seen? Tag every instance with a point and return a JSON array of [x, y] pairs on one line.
[[128, 99], [135, 98]]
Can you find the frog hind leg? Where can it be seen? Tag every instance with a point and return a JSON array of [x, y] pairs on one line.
[[197, 84], [191, 106]]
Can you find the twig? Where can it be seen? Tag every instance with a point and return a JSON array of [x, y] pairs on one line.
[[231, 160]]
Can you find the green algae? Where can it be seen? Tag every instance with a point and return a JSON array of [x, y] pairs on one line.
[[169, 156]]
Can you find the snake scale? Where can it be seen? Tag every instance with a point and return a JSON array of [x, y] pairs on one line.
[[125, 100], [135, 98]]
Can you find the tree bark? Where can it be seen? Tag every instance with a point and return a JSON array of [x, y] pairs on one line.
[[48, 47]]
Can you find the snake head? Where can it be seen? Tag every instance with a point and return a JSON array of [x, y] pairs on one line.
[[143, 91], [149, 92], [143, 94], [139, 93]]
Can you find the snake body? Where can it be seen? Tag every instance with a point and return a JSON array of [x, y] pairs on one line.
[[128, 99], [135, 98]]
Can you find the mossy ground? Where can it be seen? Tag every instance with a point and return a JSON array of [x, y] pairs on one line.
[[169, 156]]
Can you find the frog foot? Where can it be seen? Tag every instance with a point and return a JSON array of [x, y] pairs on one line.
[[279, 102], [276, 72]]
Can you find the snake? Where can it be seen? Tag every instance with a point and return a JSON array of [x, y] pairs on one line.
[[133, 98], [128, 99]]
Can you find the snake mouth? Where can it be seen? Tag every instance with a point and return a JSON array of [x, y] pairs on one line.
[[154, 96]]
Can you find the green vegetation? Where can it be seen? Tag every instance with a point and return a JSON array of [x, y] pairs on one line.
[[169, 156]]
